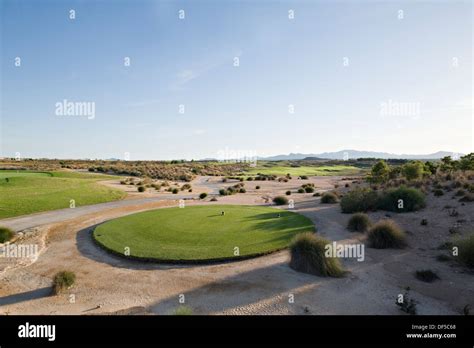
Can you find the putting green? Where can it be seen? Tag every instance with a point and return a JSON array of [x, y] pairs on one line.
[[201, 233]]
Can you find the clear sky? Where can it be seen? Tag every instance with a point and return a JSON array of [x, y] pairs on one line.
[[343, 67]]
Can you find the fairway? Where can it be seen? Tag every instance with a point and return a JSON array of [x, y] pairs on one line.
[[279, 170], [27, 192], [201, 233]]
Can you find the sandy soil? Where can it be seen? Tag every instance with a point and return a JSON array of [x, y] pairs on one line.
[[265, 285]]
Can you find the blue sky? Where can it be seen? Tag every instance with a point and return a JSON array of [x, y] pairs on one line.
[[423, 59]]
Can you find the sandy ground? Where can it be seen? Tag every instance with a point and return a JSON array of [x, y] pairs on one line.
[[264, 285]]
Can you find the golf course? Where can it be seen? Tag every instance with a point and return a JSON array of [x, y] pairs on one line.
[[201, 233], [26, 192]]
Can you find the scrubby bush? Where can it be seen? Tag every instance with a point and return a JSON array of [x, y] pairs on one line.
[[301, 190], [213, 199], [328, 198], [141, 188], [203, 195], [402, 199], [288, 193], [308, 255], [438, 192], [280, 200], [6, 234], [309, 189], [359, 200], [304, 177], [466, 250], [257, 187], [379, 172], [317, 194], [386, 234], [175, 191], [359, 222], [413, 170], [63, 280], [242, 190], [426, 275], [223, 192]]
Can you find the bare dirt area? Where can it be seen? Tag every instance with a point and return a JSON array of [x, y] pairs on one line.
[[264, 285]]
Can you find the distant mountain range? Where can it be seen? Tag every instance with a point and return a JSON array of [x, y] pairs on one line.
[[351, 154]]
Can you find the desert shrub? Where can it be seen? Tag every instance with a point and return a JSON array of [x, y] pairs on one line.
[[466, 250], [442, 258], [467, 198], [242, 190], [203, 195], [359, 200], [6, 234], [288, 193], [406, 303], [280, 200], [257, 187], [309, 189], [413, 170], [223, 192], [426, 275], [438, 192], [123, 182], [304, 177], [301, 190], [213, 199], [308, 256], [63, 280], [317, 194], [249, 178], [141, 188], [175, 191], [402, 199], [359, 222], [386, 234], [424, 222], [185, 187], [329, 198]]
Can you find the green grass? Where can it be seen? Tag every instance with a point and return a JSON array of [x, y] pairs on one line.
[[280, 170], [28, 192], [201, 233]]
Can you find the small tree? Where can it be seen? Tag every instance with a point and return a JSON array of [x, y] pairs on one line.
[[413, 170], [380, 172]]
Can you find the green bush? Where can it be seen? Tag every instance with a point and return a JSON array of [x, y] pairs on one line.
[[402, 199], [280, 200], [329, 198], [63, 280], [308, 255], [359, 200], [359, 222], [438, 192], [304, 177], [183, 310], [301, 190], [309, 189], [223, 192], [466, 250], [6, 234], [288, 193], [413, 170], [257, 187], [141, 189], [175, 191], [203, 195], [242, 190], [386, 234]]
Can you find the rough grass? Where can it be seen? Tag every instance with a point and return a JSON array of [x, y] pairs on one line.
[[308, 256], [359, 200], [386, 234], [359, 222], [32, 192], [202, 233]]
